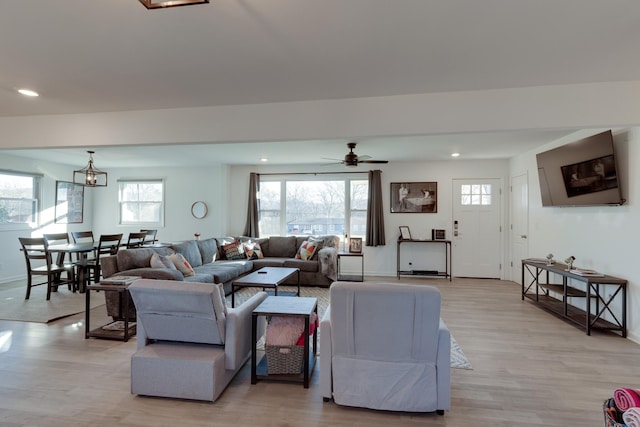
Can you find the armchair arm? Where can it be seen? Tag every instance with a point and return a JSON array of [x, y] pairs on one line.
[[328, 259], [443, 367], [237, 347], [326, 376]]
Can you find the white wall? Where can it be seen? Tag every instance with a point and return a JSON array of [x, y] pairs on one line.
[[12, 264], [381, 260], [602, 238], [183, 187]]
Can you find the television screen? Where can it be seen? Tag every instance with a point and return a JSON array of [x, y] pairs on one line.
[[582, 173]]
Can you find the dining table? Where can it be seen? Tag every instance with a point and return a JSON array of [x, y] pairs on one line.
[[81, 250]]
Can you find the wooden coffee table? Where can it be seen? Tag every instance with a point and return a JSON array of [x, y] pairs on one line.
[[265, 278]]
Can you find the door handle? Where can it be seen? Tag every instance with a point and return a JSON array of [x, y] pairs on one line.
[[523, 236]]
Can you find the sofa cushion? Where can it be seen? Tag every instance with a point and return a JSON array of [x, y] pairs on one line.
[[253, 250], [310, 266], [140, 257], [152, 273], [189, 249], [284, 247], [234, 250], [224, 271], [208, 250], [268, 262], [182, 264]]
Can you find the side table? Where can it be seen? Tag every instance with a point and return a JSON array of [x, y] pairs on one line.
[[285, 307], [351, 277], [112, 330]]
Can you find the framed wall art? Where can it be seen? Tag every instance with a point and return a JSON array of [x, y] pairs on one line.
[[405, 233], [414, 197], [69, 203], [355, 245]]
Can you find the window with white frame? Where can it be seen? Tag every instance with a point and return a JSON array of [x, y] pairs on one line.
[[141, 202], [290, 205], [19, 199], [475, 194]]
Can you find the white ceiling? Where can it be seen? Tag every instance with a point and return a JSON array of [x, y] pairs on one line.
[[101, 56]]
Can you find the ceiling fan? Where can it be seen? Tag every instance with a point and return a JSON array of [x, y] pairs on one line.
[[351, 159]]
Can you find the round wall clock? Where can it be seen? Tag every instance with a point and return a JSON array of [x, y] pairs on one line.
[[199, 210]]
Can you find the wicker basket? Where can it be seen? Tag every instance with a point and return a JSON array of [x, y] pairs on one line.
[[611, 413], [284, 359]]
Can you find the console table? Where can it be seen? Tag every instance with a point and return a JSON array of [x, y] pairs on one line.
[[351, 277], [598, 296], [446, 245]]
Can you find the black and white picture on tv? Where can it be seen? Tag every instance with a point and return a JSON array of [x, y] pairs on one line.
[[590, 176]]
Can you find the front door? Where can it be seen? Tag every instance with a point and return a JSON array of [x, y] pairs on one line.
[[476, 228]]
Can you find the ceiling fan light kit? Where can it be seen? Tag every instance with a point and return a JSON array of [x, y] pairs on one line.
[[163, 4]]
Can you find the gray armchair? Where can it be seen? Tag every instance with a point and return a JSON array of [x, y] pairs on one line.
[[190, 345], [383, 346]]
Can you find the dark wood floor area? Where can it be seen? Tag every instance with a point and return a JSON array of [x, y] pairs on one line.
[[529, 369]]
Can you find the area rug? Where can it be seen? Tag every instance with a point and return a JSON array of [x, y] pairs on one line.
[[37, 309], [458, 359]]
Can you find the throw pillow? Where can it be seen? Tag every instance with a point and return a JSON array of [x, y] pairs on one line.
[[161, 261], [318, 243], [253, 250], [182, 264], [306, 251], [234, 250]]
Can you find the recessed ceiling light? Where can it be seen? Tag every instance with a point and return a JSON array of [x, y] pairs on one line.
[[264, 159], [455, 154], [28, 92]]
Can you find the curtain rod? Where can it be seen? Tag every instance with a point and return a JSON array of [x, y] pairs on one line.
[[310, 173]]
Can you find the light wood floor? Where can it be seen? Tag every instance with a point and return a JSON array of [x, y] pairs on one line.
[[529, 369]]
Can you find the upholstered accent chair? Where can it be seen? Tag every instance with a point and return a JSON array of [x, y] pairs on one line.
[[190, 345], [383, 346]]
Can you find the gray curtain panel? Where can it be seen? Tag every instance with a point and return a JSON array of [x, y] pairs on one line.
[[251, 228], [375, 211]]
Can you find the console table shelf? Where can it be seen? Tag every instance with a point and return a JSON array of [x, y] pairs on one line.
[[447, 260], [537, 288]]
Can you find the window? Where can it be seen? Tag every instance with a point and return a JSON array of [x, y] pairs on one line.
[[475, 194], [296, 207], [141, 202], [19, 199]]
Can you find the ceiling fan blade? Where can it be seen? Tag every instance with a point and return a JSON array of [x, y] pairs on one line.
[[374, 161], [335, 160], [364, 157]]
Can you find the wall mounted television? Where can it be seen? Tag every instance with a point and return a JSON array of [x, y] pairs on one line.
[[582, 173]]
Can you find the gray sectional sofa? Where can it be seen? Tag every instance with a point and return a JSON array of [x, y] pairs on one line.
[[210, 265], [207, 257]]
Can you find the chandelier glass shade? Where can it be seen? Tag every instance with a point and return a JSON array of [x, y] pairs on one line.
[[90, 176]]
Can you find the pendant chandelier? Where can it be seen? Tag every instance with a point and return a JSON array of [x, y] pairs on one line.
[[156, 4], [90, 176]]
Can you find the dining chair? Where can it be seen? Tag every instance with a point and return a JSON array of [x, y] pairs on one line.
[[35, 250], [151, 235], [58, 239], [61, 257], [108, 244], [136, 240], [82, 236]]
